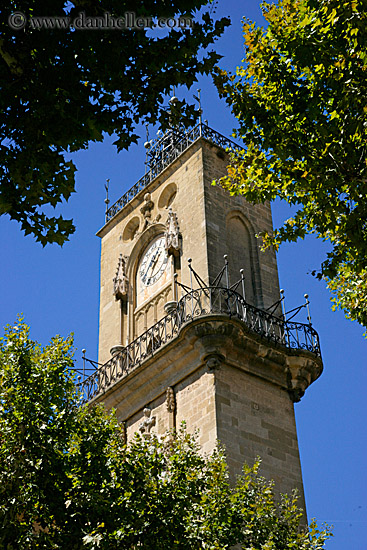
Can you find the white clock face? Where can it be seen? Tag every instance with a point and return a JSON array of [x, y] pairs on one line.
[[153, 263]]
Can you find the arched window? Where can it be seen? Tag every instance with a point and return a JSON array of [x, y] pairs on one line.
[[242, 254]]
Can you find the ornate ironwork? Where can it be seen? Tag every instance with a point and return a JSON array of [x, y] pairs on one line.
[[165, 151], [198, 303]]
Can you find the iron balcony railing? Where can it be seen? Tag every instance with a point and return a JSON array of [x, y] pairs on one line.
[[203, 302], [167, 150]]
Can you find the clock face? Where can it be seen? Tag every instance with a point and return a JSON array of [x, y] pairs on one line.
[[153, 263]]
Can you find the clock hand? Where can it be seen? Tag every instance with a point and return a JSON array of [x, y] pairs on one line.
[[155, 260], [151, 261]]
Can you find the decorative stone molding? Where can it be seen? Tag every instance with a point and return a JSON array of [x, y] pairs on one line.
[[214, 361], [147, 424], [121, 281], [188, 349], [146, 210], [209, 328], [171, 409], [147, 206], [301, 372], [116, 349], [172, 234], [170, 307], [170, 399]]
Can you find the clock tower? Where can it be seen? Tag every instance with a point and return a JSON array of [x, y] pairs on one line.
[[191, 327]]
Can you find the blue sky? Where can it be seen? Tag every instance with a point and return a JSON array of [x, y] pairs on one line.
[[57, 290]]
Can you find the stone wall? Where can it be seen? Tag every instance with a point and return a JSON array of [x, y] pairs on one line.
[[256, 419], [228, 384]]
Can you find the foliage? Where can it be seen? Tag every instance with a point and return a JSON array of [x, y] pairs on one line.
[[300, 100], [67, 479], [62, 88], [349, 291]]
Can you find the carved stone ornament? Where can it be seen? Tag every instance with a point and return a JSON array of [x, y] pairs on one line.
[[172, 234], [170, 399], [147, 206], [301, 372], [214, 361], [147, 424], [146, 210], [121, 281]]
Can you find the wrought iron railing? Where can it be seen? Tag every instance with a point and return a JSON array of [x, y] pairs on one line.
[[171, 147], [203, 302]]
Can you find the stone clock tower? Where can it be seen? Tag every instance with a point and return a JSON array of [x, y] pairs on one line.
[[187, 334]]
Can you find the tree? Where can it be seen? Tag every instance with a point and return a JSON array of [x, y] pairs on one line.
[[68, 480], [63, 87], [300, 100]]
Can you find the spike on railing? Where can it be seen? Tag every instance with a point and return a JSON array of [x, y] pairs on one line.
[[282, 300], [175, 293], [226, 269], [307, 304], [84, 351], [243, 283]]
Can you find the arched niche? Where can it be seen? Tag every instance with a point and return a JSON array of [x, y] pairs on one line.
[[167, 196], [241, 248], [131, 229]]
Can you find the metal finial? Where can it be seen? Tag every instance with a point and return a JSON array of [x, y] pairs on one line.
[[173, 99], [198, 99], [147, 142], [282, 299], [84, 352], [242, 271], [107, 184], [226, 268], [308, 308], [147, 145], [175, 276], [192, 296]]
